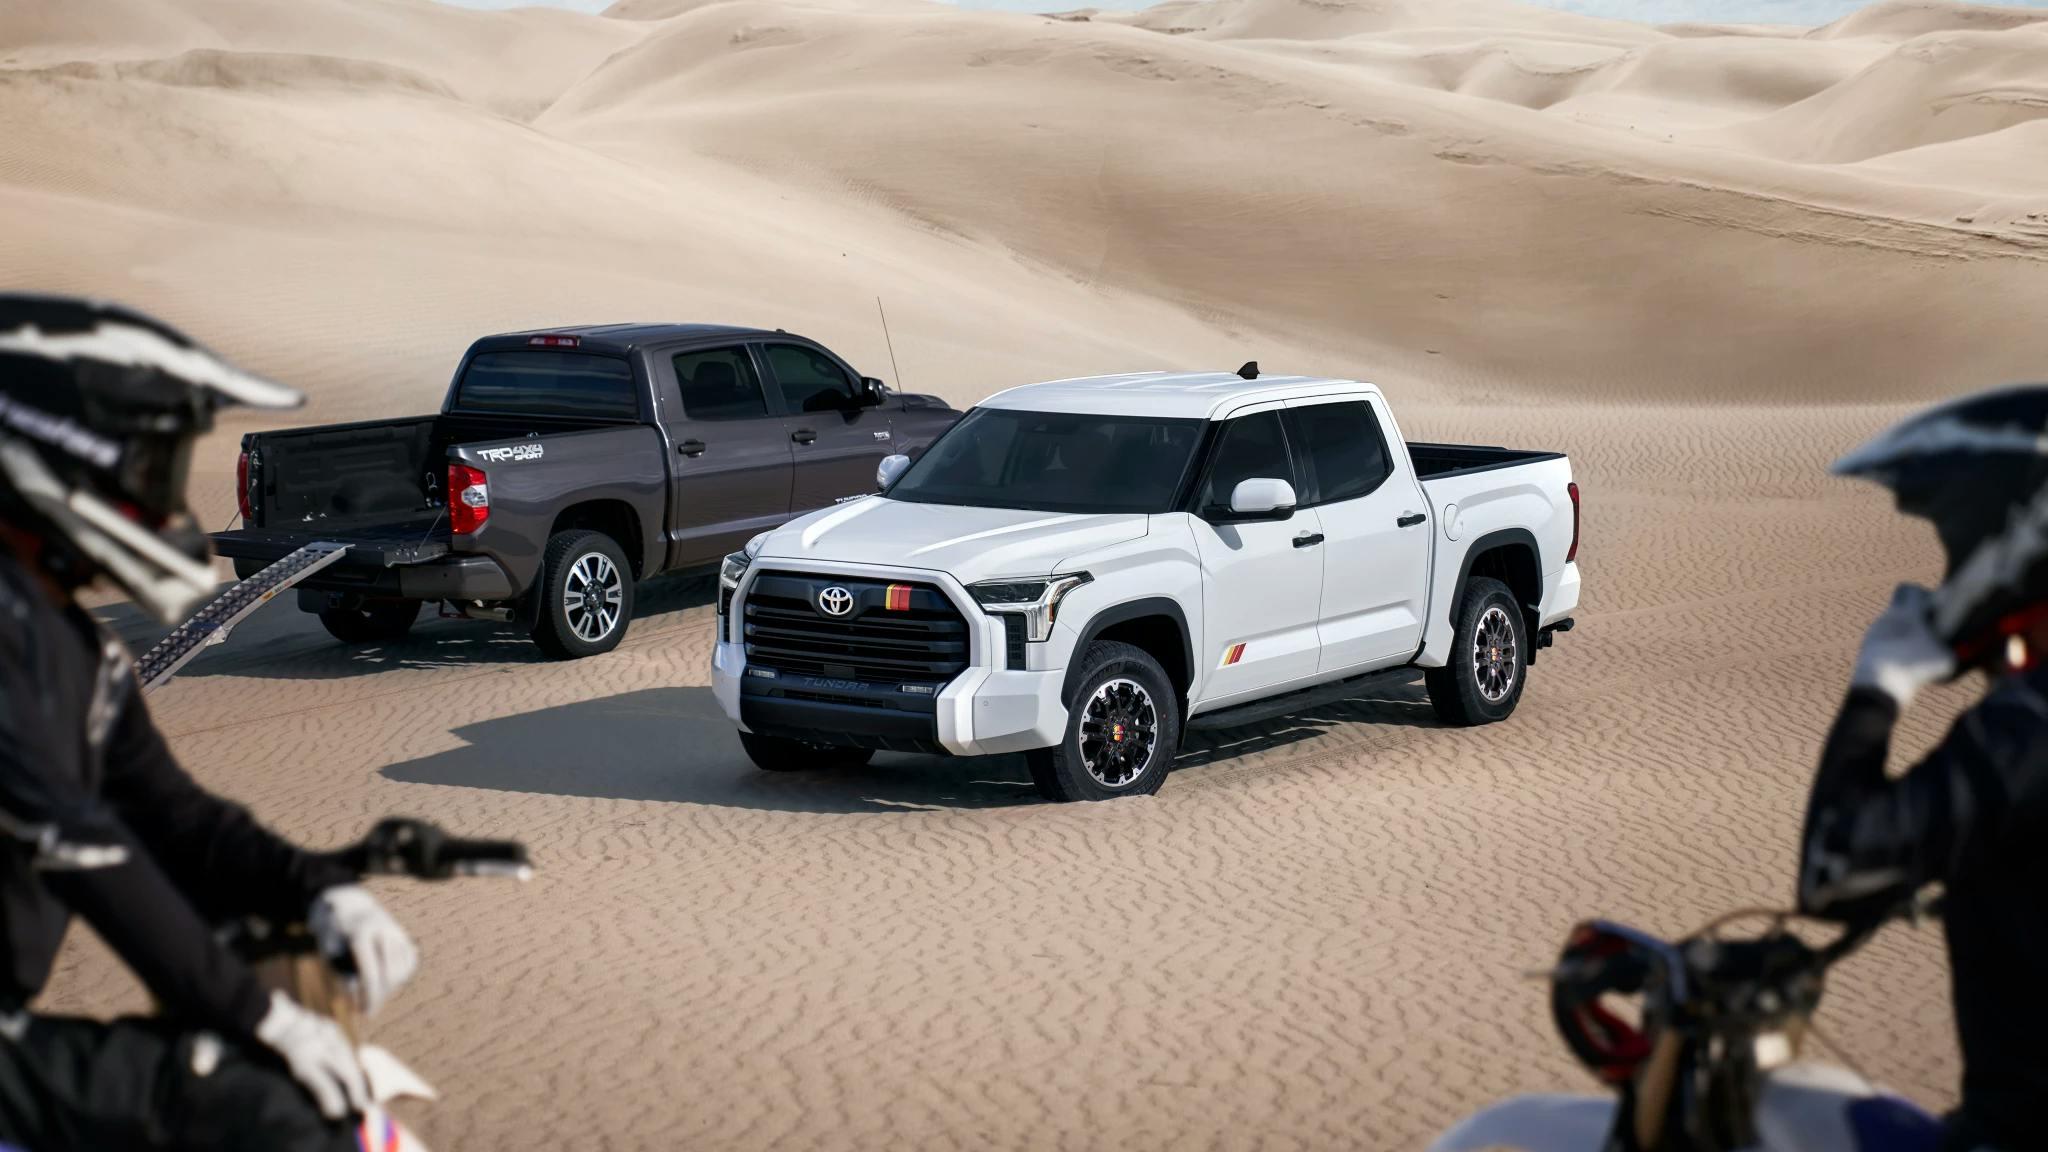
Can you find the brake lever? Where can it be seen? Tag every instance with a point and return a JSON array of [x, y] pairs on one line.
[[501, 869], [1927, 907]]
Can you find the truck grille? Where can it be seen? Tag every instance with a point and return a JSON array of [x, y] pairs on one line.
[[894, 633]]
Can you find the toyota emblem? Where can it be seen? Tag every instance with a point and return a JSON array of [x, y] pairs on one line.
[[835, 601]]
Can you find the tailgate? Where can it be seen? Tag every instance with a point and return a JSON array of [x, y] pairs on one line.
[[373, 545], [366, 475]]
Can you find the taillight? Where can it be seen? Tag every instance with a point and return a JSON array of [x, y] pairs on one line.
[[1573, 553], [555, 341], [242, 501], [469, 498]]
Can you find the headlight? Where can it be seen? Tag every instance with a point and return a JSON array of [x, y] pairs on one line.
[[735, 566], [1038, 601], [736, 563]]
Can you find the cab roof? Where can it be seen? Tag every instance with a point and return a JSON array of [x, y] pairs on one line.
[[1196, 395], [616, 337]]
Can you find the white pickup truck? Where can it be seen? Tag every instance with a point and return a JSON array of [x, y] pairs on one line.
[[1079, 570]]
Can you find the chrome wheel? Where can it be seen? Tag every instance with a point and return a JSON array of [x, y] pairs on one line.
[[1119, 733], [591, 596], [1493, 655]]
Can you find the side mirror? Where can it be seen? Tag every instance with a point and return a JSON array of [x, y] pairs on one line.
[[873, 392], [889, 470], [1262, 498]]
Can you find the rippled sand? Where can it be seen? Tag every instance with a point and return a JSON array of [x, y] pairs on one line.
[[1704, 261]]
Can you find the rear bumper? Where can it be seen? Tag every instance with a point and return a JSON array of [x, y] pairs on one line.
[[1561, 599]]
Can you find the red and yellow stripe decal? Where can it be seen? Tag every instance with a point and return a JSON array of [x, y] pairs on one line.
[[1233, 654], [898, 598]]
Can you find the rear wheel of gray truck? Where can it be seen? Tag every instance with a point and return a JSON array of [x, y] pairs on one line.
[[375, 620], [1123, 729], [585, 595], [780, 754], [1489, 658]]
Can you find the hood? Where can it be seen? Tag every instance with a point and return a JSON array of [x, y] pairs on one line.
[[970, 543], [921, 402]]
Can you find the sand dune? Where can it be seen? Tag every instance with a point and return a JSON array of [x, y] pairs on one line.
[[1298, 19], [1364, 162], [1703, 260], [1905, 19], [1933, 89]]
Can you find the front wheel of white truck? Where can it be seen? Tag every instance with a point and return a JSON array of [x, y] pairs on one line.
[[1123, 729]]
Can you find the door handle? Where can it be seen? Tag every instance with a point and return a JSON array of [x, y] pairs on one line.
[[803, 436], [1308, 539], [691, 447], [1411, 519]]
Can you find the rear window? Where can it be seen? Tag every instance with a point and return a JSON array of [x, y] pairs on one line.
[[549, 384]]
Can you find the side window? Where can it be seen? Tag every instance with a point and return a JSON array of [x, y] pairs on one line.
[[810, 381], [720, 384], [1344, 449], [1249, 448]]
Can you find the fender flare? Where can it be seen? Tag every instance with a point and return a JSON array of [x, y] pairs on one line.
[[1119, 613], [1499, 538]]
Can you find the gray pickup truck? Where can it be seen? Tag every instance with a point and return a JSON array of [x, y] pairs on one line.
[[565, 465]]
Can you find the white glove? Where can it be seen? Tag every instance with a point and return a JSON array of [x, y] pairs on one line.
[[348, 921], [319, 1055], [1901, 653]]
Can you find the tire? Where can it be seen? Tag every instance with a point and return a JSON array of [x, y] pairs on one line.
[[569, 621], [1483, 681], [780, 754], [376, 620], [1123, 729]]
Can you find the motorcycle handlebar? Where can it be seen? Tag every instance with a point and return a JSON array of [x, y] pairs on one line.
[[421, 850]]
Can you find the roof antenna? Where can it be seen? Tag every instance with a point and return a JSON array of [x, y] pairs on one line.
[[891, 342], [1250, 371]]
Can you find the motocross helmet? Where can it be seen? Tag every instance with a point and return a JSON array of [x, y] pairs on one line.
[[99, 408], [1977, 468]]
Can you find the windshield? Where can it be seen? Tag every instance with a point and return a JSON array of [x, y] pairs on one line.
[[1054, 462]]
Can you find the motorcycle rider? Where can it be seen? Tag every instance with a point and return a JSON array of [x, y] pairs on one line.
[[99, 409], [1973, 814]]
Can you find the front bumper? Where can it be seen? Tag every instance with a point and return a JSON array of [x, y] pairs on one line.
[[985, 710]]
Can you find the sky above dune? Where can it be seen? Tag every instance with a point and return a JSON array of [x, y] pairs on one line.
[[1808, 12]]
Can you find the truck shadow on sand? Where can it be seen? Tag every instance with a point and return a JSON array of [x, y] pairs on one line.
[[279, 642], [674, 745]]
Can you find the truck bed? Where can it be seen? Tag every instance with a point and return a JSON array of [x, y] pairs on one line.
[[1437, 461], [344, 480]]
